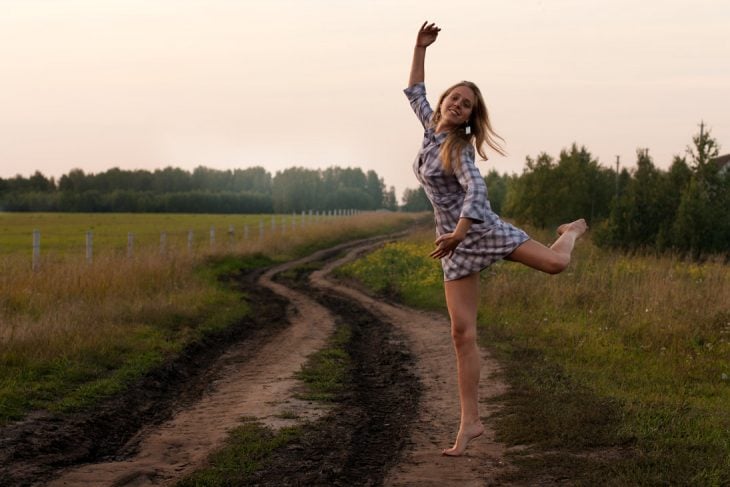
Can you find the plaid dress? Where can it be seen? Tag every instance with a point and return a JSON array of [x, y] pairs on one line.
[[462, 194]]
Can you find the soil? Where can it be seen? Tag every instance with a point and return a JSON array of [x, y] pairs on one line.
[[400, 410]]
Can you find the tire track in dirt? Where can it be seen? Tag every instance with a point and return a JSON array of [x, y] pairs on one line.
[[373, 438], [414, 460], [428, 336], [247, 383]]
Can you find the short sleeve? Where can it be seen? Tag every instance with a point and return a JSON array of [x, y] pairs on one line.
[[417, 97], [476, 204]]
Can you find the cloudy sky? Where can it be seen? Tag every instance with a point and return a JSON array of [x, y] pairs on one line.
[[95, 84]]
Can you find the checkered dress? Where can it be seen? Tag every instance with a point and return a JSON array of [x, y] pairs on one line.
[[462, 194]]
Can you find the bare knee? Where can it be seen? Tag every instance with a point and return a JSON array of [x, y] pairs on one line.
[[463, 333]]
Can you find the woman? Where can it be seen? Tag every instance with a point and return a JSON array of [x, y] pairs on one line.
[[470, 235]]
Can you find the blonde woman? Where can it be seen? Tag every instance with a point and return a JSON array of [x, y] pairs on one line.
[[470, 235]]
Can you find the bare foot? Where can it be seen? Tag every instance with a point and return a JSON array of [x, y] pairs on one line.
[[578, 227], [463, 438]]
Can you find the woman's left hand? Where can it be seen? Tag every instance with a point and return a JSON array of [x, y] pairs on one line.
[[445, 245]]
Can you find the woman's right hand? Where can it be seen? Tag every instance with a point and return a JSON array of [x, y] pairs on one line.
[[427, 34]]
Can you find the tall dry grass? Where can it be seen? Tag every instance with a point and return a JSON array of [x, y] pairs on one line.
[[71, 322]]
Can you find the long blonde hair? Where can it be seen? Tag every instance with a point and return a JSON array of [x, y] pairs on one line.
[[481, 131]]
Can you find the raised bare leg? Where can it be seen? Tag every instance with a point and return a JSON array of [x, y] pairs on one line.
[[553, 259], [462, 297]]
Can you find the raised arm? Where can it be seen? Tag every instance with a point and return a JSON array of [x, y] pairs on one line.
[[427, 34]]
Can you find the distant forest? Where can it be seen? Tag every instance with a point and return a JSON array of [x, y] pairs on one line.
[[204, 190], [683, 209]]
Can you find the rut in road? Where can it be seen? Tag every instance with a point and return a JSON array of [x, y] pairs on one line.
[[390, 429], [432, 425], [429, 338], [246, 383]]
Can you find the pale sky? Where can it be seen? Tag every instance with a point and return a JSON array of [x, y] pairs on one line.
[[144, 84]]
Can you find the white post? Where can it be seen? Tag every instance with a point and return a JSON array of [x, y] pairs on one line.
[[190, 240], [163, 242], [304, 218], [130, 245], [231, 234], [261, 229], [273, 224], [89, 246], [212, 236], [36, 249]]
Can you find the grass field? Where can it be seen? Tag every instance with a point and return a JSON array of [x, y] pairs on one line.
[[72, 333], [64, 234], [619, 367]]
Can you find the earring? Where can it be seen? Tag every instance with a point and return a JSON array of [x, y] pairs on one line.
[[468, 130]]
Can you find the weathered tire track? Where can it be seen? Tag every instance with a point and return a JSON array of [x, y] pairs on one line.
[[424, 431], [364, 435], [428, 337], [247, 383]]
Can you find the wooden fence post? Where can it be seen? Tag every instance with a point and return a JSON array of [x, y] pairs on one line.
[[130, 245], [89, 247], [36, 249]]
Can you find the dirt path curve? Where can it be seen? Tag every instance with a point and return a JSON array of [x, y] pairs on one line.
[[430, 343], [259, 383], [247, 383]]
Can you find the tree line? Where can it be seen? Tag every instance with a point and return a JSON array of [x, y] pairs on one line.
[[684, 209], [204, 190]]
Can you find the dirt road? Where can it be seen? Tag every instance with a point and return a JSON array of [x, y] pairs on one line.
[[429, 339], [390, 429]]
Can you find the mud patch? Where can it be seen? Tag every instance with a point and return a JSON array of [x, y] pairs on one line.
[[363, 437]]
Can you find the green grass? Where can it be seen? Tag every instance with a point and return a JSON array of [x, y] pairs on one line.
[[78, 377], [65, 233], [326, 371], [246, 450], [618, 366]]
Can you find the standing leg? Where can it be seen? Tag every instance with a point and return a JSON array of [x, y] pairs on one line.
[[462, 297], [553, 259]]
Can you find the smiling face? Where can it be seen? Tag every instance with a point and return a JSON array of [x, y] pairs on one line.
[[456, 107]]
